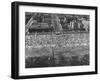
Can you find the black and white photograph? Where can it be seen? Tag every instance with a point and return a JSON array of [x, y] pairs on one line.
[[50, 40], [56, 40]]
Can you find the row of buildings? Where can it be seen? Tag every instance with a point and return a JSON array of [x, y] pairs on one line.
[[43, 22]]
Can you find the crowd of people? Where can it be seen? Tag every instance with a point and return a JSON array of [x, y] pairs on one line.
[[59, 41]]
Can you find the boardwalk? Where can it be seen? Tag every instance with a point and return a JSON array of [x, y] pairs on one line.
[[63, 49]]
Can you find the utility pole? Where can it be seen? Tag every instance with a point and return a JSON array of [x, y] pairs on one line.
[[53, 51]]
